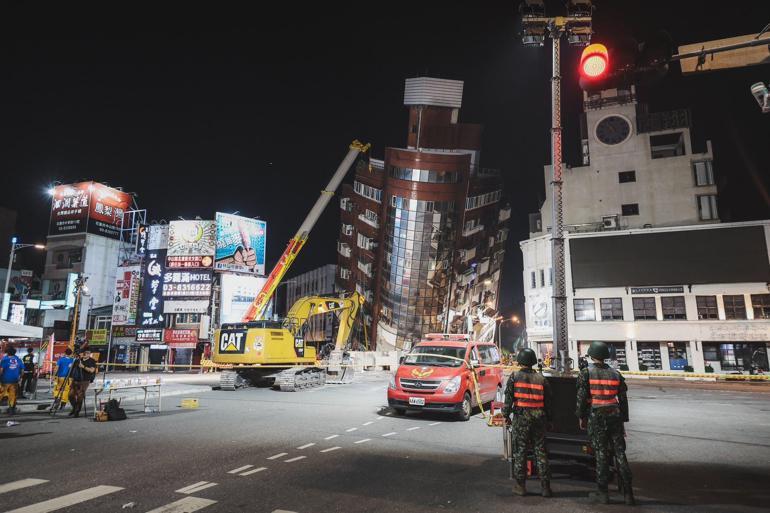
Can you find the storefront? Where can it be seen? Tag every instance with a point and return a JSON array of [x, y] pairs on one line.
[[736, 356], [617, 351], [649, 355], [678, 355], [544, 350]]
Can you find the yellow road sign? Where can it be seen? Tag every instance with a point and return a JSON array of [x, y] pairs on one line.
[[738, 58]]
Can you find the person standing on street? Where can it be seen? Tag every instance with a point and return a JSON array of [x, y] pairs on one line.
[[63, 383], [28, 377], [10, 373], [83, 374], [528, 398], [601, 399]]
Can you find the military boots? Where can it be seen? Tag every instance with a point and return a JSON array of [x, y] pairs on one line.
[[628, 495], [546, 485], [520, 488], [601, 496]]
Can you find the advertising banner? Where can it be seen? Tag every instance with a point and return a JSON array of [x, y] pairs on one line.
[[194, 240], [149, 335], [123, 332], [88, 207], [142, 238], [151, 305], [96, 337], [157, 236], [181, 338], [238, 292], [240, 243], [195, 283], [174, 306], [126, 295]]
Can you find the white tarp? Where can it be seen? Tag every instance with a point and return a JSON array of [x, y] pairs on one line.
[[11, 330]]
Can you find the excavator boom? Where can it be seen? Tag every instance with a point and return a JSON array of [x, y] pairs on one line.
[[307, 307]]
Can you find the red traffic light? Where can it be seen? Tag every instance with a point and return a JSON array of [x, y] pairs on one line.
[[594, 62]]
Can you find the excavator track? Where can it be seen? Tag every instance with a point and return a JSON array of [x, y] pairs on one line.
[[230, 380], [295, 379]]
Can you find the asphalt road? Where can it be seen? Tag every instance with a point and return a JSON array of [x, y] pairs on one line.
[[336, 449]]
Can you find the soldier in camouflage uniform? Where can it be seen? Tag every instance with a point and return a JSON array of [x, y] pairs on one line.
[[528, 398], [601, 398]]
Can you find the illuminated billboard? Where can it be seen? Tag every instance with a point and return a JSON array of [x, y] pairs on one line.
[[238, 292], [191, 244], [241, 244], [88, 207], [126, 295]]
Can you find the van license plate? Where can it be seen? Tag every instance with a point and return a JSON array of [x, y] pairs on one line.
[[417, 401]]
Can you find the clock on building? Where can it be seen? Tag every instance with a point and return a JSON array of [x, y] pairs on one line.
[[613, 130]]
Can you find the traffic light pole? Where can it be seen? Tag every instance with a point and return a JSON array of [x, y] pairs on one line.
[[560, 333]]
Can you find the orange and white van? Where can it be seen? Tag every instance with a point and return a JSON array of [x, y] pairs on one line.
[[436, 376]]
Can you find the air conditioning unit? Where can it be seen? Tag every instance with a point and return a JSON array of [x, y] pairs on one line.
[[610, 222]]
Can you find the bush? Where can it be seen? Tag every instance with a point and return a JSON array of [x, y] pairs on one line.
[[642, 367], [688, 368], [709, 368], [623, 367]]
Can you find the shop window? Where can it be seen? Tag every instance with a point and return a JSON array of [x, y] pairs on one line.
[[649, 355], [677, 355], [644, 309], [761, 305], [736, 356], [735, 307], [673, 308], [612, 308], [584, 310], [707, 307]]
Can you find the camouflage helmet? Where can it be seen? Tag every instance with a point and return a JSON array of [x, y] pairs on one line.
[[599, 350], [526, 357]]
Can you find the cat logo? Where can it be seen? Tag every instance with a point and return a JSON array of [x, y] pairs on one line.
[[232, 341], [422, 372]]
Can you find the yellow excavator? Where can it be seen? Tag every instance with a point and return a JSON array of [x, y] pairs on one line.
[[253, 344], [260, 350]]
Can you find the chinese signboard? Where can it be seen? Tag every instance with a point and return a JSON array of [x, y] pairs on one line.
[[123, 331], [126, 295], [191, 239], [240, 244], [181, 338], [96, 337], [17, 313], [152, 289], [173, 306], [149, 335], [238, 292], [88, 207], [187, 283]]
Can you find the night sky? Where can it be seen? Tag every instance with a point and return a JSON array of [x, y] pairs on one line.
[[251, 111]]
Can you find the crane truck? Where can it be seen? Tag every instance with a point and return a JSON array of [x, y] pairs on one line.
[[254, 345]]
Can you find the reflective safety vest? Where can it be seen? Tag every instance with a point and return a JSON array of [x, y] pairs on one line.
[[604, 384], [528, 390]]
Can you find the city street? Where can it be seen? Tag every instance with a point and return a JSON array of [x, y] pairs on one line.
[[692, 448]]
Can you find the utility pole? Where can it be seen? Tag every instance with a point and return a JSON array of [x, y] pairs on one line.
[[80, 288]]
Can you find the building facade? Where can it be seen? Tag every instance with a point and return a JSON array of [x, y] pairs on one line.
[[423, 230], [649, 268]]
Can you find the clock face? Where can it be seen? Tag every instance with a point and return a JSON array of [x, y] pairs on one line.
[[613, 130]]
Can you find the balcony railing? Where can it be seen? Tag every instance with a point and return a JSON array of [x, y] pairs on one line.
[[370, 222]]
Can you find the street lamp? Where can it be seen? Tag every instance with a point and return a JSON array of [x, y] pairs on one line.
[[576, 25], [14, 247]]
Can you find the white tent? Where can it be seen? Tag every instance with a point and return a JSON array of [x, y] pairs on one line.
[[11, 330]]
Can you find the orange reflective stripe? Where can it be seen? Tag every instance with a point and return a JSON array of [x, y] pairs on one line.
[[613, 382], [528, 385], [604, 401], [600, 391], [527, 396], [530, 404]]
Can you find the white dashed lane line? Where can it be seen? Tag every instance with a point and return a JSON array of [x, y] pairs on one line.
[[367, 423], [311, 444], [351, 430], [197, 487], [292, 460], [253, 471], [390, 434], [413, 428], [330, 449], [330, 437], [279, 455], [362, 441], [434, 423], [239, 469]]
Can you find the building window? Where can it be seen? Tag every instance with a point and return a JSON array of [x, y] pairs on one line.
[[371, 216], [707, 307], [632, 209], [649, 355], [346, 204], [761, 305], [677, 355], [344, 273], [584, 310], [626, 176], [550, 277], [707, 207], [482, 200], [367, 191], [533, 280], [673, 307], [612, 308], [667, 145], [735, 307], [366, 243], [704, 173], [542, 277], [423, 175], [347, 229], [644, 309]]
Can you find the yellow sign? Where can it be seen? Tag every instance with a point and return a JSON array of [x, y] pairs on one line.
[[738, 58], [96, 337], [423, 372]]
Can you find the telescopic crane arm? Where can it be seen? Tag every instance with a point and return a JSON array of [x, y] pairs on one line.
[[257, 309]]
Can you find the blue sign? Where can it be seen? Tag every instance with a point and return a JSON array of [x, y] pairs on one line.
[[240, 244]]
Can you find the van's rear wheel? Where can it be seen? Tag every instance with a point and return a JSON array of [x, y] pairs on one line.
[[466, 408]]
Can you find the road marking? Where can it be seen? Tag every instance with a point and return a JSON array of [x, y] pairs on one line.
[[253, 471], [186, 505], [380, 418], [330, 449], [67, 500], [283, 511], [279, 455], [362, 441], [18, 485], [389, 434], [351, 430], [183, 490], [292, 460], [239, 469], [367, 423], [413, 428], [434, 423], [311, 444], [330, 437], [197, 487]]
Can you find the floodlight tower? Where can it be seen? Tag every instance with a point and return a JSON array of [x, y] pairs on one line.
[[576, 25]]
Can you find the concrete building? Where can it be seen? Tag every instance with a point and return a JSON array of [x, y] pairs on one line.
[[649, 268], [318, 282], [423, 230]]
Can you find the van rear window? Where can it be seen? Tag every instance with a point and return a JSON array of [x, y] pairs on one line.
[[437, 356]]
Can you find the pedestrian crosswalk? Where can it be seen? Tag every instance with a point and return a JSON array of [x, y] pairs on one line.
[[187, 504]]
